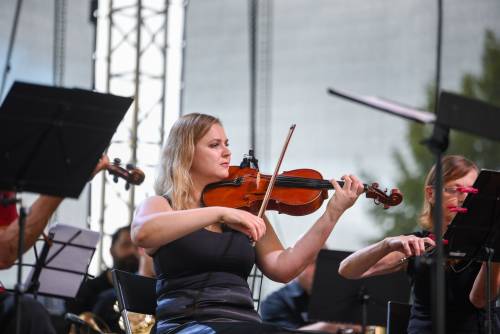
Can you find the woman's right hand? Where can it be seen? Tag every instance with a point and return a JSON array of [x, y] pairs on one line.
[[244, 222], [410, 245]]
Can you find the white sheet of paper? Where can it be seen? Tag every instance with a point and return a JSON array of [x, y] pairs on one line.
[[394, 108], [74, 258]]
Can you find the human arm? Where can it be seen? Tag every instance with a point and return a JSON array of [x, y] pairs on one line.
[[477, 294], [156, 223], [331, 327], [286, 308], [146, 265], [383, 257], [282, 265], [282, 308], [36, 220]]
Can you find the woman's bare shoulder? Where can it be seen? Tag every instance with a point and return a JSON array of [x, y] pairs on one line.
[[153, 204]]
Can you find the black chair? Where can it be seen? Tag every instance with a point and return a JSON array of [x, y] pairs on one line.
[[398, 316], [135, 293]]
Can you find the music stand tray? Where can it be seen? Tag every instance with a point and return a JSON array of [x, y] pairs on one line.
[[338, 299]]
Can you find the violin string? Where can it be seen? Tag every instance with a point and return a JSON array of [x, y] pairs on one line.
[[296, 182], [312, 183], [300, 182]]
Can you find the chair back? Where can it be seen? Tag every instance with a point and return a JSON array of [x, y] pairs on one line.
[[398, 316], [135, 293]]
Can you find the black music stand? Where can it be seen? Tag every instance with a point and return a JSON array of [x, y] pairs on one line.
[[51, 139], [398, 317], [361, 301], [453, 112], [470, 232], [475, 234]]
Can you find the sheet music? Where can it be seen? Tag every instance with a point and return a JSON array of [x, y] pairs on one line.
[[387, 106], [64, 233], [67, 260]]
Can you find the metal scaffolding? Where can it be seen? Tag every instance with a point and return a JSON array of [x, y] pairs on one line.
[[134, 64], [260, 37]]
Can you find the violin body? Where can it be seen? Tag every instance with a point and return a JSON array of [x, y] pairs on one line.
[[245, 189]]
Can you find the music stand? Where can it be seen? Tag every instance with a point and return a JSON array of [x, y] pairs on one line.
[[51, 139], [469, 232], [453, 112], [61, 268], [361, 301], [475, 234]]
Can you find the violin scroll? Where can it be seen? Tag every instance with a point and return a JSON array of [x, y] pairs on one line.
[[381, 197], [130, 174]]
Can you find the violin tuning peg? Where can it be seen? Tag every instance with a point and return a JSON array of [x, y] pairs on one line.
[[130, 166], [115, 179], [127, 186], [117, 161]]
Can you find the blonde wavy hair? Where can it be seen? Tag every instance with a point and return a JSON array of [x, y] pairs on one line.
[[174, 179], [454, 167]]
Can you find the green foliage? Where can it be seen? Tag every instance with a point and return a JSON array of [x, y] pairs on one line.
[[485, 153]]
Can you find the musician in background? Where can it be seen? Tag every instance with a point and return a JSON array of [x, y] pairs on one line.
[[98, 295], [35, 317], [465, 283], [288, 306]]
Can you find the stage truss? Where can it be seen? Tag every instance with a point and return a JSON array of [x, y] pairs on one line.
[[131, 61]]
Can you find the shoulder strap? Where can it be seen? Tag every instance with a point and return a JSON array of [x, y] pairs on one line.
[[168, 199]]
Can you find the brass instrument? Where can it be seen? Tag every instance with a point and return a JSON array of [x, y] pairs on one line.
[[93, 321], [139, 323]]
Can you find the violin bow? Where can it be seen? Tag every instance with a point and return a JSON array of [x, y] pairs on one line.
[[275, 174]]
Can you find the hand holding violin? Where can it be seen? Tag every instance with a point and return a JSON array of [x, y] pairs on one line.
[[409, 245], [102, 164], [130, 174], [346, 195]]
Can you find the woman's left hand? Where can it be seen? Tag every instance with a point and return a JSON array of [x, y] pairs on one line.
[[102, 164], [345, 196]]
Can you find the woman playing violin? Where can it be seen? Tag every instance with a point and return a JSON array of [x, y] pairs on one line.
[[203, 255], [465, 285]]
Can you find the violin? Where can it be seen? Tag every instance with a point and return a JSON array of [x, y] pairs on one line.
[[297, 192], [131, 174], [450, 263]]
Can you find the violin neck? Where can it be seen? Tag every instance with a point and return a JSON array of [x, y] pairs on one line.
[[300, 182]]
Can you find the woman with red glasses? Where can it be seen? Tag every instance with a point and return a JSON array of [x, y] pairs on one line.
[[465, 286]]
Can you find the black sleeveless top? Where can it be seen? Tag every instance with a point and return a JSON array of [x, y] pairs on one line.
[[461, 315], [203, 276]]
